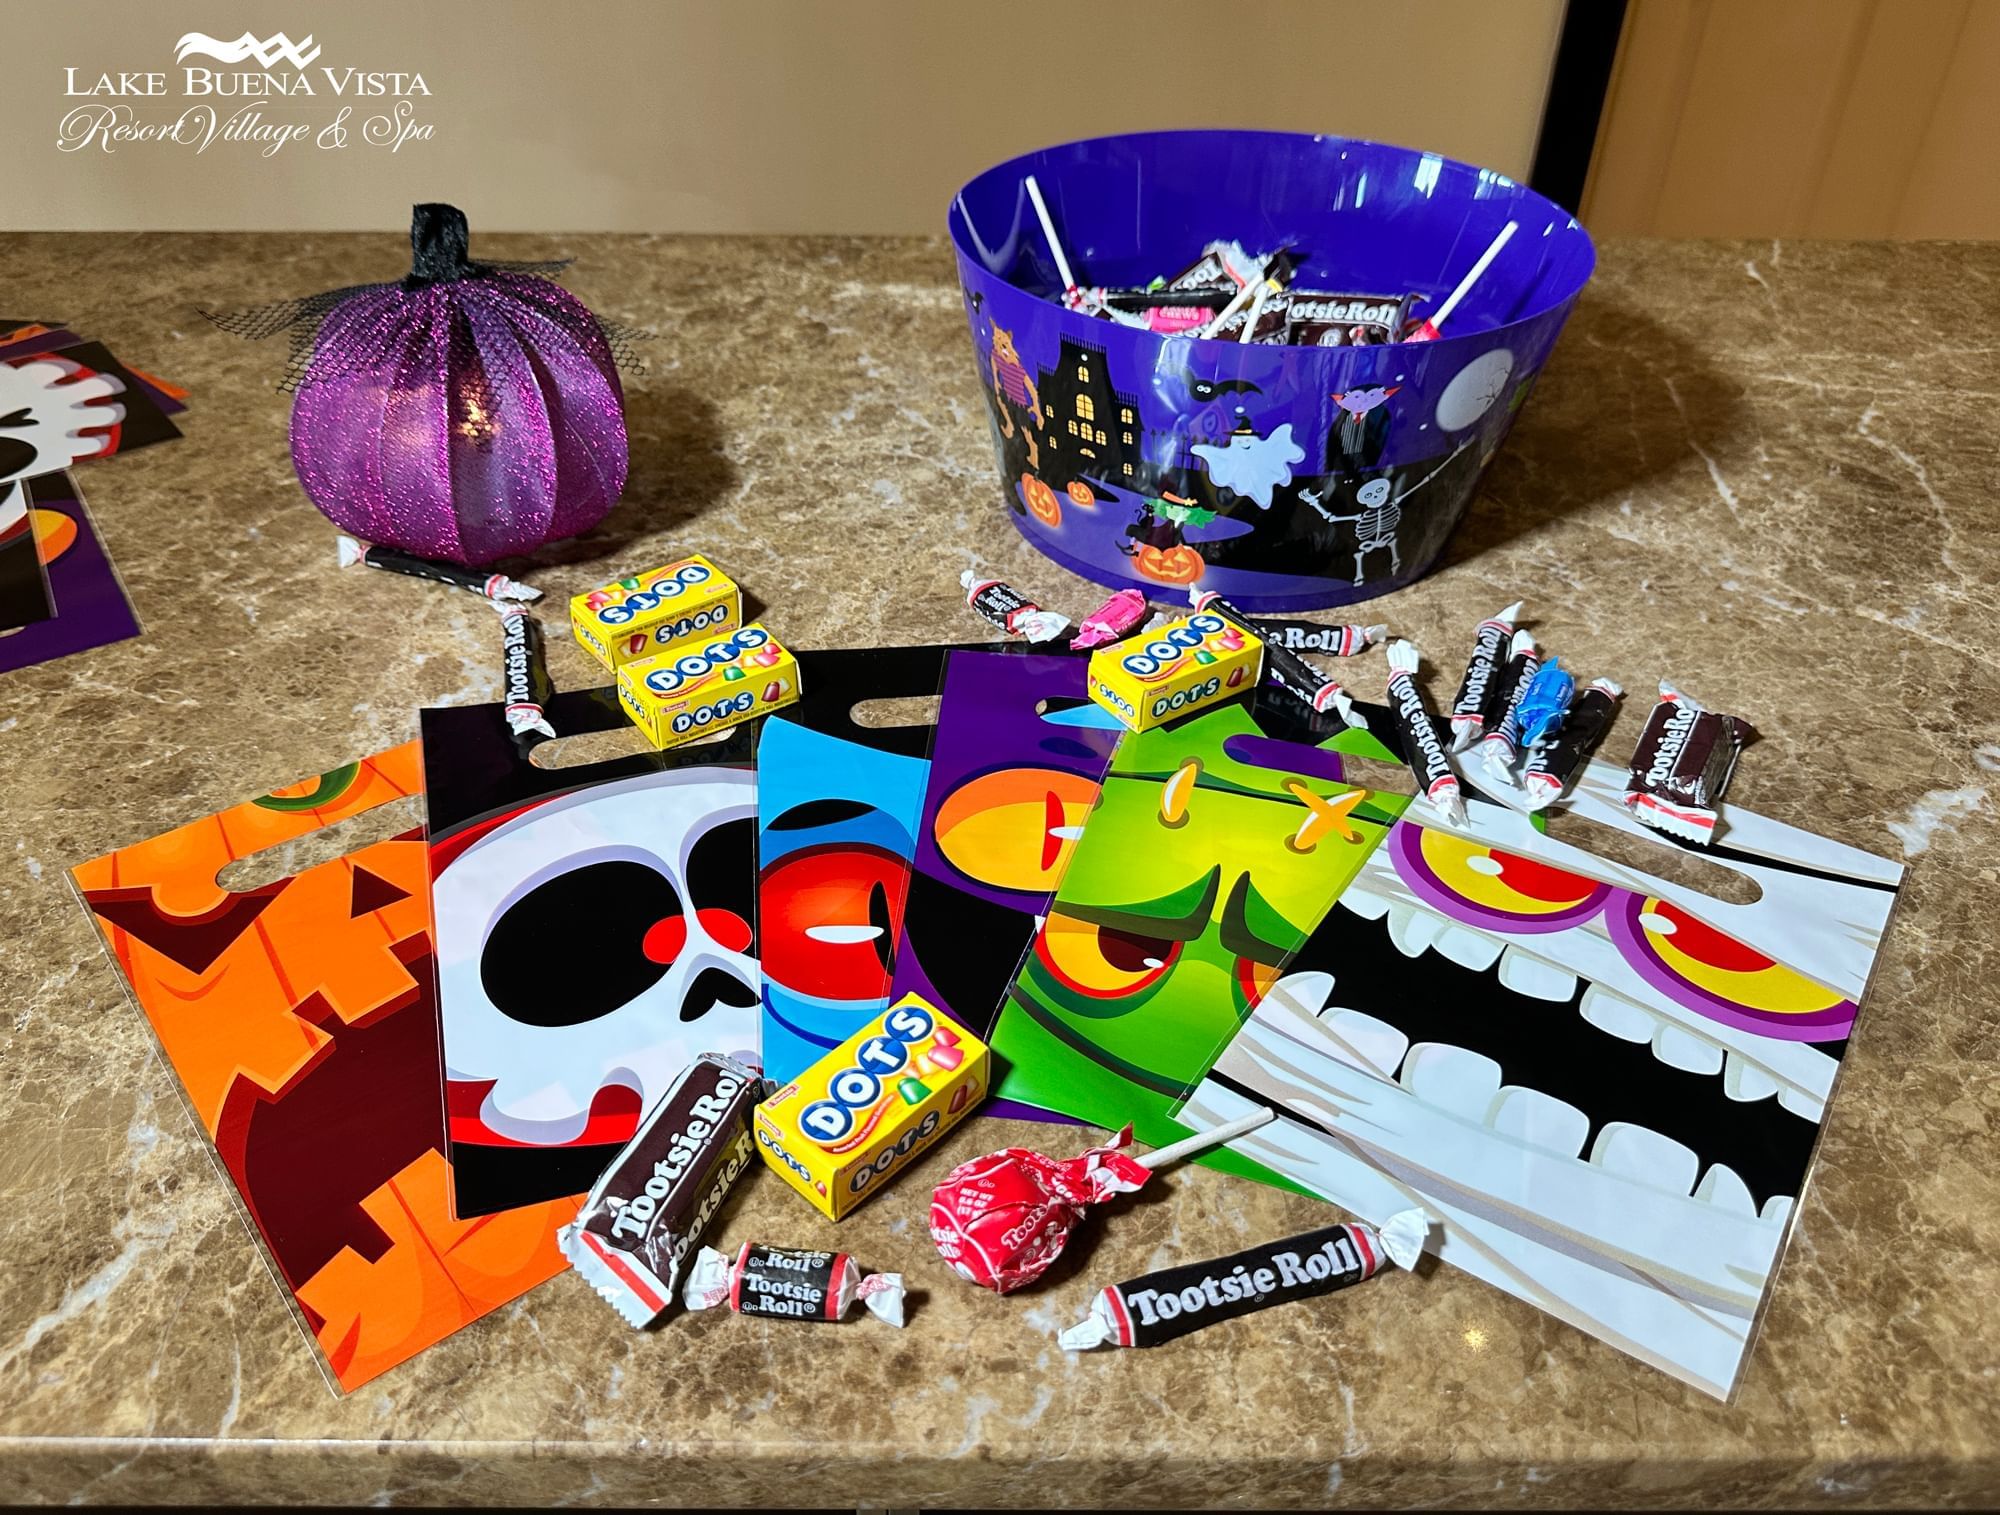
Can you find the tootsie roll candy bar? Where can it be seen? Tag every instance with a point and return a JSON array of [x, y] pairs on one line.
[[1161, 1306], [649, 1210]]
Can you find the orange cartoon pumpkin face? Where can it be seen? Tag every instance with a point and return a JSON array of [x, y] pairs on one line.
[[1173, 565], [1041, 500], [1080, 493]]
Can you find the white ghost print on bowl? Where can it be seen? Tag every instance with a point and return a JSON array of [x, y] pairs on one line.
[[1474, 389], [600, 939], [46, 408], [1251, 465]]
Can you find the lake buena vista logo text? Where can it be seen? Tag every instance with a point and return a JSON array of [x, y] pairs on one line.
[[201, 105]]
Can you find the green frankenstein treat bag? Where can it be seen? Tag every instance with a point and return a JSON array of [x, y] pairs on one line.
[[1212, 853]]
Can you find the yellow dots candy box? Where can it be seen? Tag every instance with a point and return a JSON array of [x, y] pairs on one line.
[[644, 615], [708, 686], [843, 1128], [1190, 664]]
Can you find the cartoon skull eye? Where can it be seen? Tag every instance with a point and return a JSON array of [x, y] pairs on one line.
[[723, 888], [831, 919], [17, 418], [613, 915], [1103, 962]]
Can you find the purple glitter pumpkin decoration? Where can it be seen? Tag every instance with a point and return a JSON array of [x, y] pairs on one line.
[[469, 412]]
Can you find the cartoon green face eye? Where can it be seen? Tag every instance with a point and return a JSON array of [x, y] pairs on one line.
[[1103, 962], [1253, 981]]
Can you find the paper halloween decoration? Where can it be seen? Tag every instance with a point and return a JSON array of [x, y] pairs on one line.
[[1214, 850], [144, 400], [838, 805], [299, 1020], [594, 930], [1015, 768], [468, 411], [24, 590], [90, 608], [28, 340], [54, 412], [1608, 1086]]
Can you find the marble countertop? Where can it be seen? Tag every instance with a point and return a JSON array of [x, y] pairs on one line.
[[1771, 468]]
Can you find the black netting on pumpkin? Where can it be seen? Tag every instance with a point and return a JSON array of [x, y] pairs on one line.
[[439, 244]]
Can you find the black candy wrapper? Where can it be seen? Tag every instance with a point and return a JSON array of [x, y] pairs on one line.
[[1550, 769], [791, 1283], [1148, 1311], [1422, 749], [495, 586], [1479, 692], [1282, 667], [525, 685], [648, 1210]]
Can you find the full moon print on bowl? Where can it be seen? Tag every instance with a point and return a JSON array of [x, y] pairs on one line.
[[1474, 388]]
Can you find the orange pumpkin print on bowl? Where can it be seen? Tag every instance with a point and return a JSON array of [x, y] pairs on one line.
[[1041, 500], [1171, 565]]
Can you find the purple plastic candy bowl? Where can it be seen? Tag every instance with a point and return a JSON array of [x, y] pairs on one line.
[[1286, 478]]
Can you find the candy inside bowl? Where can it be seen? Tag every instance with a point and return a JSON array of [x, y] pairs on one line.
[[1234, 361]]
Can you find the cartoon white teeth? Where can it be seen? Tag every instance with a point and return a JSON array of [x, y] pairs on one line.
[[1645, 1157], [1532, 1117], [1605, 1084], [1721, 1187], [1680, 1048]]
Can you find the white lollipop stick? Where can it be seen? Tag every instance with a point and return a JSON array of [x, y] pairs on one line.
[[1049, 234], [1202, 1141], [1243, 297], [1256, 312], [1431, 326]]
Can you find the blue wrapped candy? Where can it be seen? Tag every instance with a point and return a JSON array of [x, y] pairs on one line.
[[1546, 703]]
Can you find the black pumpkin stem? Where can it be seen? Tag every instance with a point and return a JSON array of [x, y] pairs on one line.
[[439, 238]]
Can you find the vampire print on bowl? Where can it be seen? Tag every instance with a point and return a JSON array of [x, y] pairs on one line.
[[595, 934]]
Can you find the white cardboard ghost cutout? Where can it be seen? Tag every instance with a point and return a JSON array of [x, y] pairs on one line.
[[44, 413]]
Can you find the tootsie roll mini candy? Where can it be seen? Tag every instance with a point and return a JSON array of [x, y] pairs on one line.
[[495, 586], [1006, 607], [1479, 691], [1148, 1311], [1551, 767], [1422, 748], [642, 1218], [791, 1284], [524, 672], [1683, 762]]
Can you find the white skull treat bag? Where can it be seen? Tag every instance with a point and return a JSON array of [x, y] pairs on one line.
[[595, 936]]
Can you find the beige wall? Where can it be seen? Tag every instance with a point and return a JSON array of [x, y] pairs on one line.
[[746, 115], [1802, 118]]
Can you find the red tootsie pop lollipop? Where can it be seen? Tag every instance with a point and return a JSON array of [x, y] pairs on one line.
[[1002, 1219], [1428, 330]]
